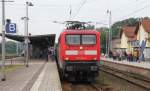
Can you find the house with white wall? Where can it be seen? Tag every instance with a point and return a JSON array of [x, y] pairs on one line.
[[127, 36], [143, 34]]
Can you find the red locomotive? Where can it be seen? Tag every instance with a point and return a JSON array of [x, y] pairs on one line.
[[79, 53]]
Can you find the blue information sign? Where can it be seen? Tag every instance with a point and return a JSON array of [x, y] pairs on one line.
[[11, 28]]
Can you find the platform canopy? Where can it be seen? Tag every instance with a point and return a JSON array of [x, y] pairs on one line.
[[36, 40]]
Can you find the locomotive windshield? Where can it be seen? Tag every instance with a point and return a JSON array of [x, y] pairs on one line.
[[73, 39], [88, 39], [81, 39]]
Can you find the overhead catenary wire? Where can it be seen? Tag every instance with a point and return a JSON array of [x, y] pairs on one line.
[[129, 5], [82, 4], [136, 11], [70, 11]]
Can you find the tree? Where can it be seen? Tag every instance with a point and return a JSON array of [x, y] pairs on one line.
[[103, 32], [127, 22], [115, 28]]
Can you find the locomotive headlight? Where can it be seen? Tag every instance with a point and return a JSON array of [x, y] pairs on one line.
[[66, 58], [71, 52], [94, 58], [81, 47], [90, 52]]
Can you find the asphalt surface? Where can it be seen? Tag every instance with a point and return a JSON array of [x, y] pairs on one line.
[[23, 78]]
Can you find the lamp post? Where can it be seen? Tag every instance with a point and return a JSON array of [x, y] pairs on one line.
[[3, 40], [26, 32]]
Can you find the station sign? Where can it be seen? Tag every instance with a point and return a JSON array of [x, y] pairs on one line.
[[135, 43], [11, 28]]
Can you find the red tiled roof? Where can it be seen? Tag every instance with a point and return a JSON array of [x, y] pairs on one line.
[[129, 32], [146, 24]]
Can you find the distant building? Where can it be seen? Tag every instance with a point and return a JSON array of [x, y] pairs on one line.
[[143, 33], [131, 38], [128, 36], [116, 43]]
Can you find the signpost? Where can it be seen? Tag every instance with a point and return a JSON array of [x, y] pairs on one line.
[[11, 28], [135, 43]]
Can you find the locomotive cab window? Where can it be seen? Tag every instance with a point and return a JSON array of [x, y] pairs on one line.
[[81, 39], [73, 39], [88, 39]]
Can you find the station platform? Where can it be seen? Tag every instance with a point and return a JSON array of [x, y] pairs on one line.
[[48, 80], [145, 64], [39, 76], [141, 68]]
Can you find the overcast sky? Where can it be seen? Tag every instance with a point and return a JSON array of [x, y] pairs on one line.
[[44, 12]]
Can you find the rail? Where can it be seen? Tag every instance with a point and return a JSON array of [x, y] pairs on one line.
[[140, 82], [80, 86]]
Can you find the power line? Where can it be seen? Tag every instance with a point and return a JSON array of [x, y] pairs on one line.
[[39, 5], [130, 5], [82, 4], [136, 11], [70, 10]]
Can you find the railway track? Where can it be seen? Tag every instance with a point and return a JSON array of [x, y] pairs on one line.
[[84, 87], [80, 87], [140, 82]]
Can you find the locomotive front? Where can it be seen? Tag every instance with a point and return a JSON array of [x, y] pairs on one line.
[[81, 54]]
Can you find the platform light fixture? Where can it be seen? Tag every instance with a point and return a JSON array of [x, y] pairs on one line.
[[26, 32], [3, 39]]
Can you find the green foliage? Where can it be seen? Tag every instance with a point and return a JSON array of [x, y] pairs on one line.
[[103, 31], [128, 22], [115, 28]]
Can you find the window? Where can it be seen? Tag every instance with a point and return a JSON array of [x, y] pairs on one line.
[[81, 39], [73, 39], [88, 39]]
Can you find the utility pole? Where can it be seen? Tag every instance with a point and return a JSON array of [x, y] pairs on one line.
[[70, 13], [106, 41], [110, 32], [24, 44], [26, 19], [17, 45], [27, 39], [3, 40]]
